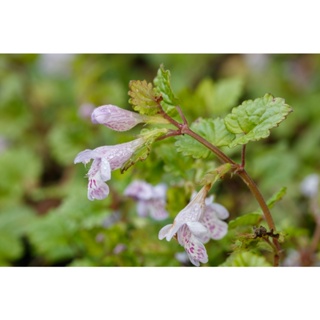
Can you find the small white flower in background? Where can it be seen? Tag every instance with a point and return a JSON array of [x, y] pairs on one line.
[[182, 257], [310, 185], [199, 221], [56, 63], [151, 200], [292, 259], [105, 160]]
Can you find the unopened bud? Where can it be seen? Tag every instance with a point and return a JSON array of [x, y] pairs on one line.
[[116, 118]]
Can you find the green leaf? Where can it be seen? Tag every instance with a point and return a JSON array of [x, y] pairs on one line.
[[11, 247], [213, 130], [228, 92], [57, 236], [249, 219], [253, 119], [245, 259], [276, 197], [163, 88], [219, 97], [20, 169], [143, 97]]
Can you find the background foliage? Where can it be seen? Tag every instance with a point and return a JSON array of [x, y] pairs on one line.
[[45, 104]]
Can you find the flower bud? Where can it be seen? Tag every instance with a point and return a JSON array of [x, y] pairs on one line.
[[116, 118]]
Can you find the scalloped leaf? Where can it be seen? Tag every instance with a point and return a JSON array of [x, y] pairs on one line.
[[253, 119], [163, 88], [245, 259], [213, 130], [143, 97]]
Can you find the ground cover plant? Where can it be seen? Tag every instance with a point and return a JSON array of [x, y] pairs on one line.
[[189, 160]]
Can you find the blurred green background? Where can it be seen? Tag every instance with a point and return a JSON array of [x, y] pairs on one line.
[[45, 105]]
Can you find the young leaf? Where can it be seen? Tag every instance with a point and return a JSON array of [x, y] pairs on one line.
[[276, 197], [163, 88], [253, 119], [213, 130], [143, 97]]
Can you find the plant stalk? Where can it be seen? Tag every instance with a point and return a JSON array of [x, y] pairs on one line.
[[183, 128], [248, 181]]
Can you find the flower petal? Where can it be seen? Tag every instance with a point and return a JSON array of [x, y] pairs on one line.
[[156, 208], [105, 169], [142, 208], [197, 228], [97, 189], [118, 154], [139, 190], [195, 209], [85, 156], [221, 211], [217, 229], [164, 231], [195, 249], [99, 172]]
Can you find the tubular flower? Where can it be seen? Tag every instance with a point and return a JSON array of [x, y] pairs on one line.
[[189, 229], [196, 224], [105, 160], [150, 200], [116, 118]]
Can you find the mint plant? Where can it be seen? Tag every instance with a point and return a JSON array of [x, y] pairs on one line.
[[158, 108]]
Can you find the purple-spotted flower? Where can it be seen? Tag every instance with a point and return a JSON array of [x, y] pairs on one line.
[[189, 229], [199, 221], [105, 160], [212, 219], [151, 200]]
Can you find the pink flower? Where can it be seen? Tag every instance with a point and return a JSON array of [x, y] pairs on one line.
[[196, 224], [116, 118], [150, 200], [105, 160]]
